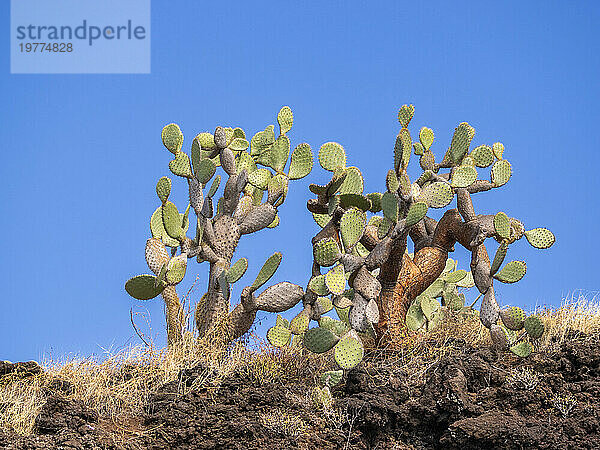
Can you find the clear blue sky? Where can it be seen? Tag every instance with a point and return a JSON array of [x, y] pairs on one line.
[[82, 153]]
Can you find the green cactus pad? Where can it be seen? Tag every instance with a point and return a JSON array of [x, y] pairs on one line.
[[205, 170], [540, 238], [405, 114], [467, 281], [389, 205], [383, 227], [501, 172], [498, 149], [463, 134], [353, 183], [375, 199], [326, 252], [237, 270], [279, 336], [277, 189], [318, 286], [355, 200], [426, 137], [435, 289], [299, 324], [320, 340], [157, 228], [429, 306], [260, 178], [143, 287], [181, 165], [349, 351], [245, 161], [301, 162], [483, 156], [163, 189], [239, 133], [321, 219], [499, 257], [402, 149], [352, 226], [534, 327], [276, 157], [176, 269], [285, 119], [333, 204], [343, 314], [418, 148], [468, 161], [415, 318], [214, 186], [337, 327], [456, 276], [416, 213], [454, 301], [324, 304], [512, 272], [391, 181], [513, 318], [267, 270], [331, 156], [238, 144], [335, 280], [437, 195], [451, 265], [206, 141], [172, 138], [522, 349], [464, 176], [502, 225], [282, 322], [331, 377], [172, 221]]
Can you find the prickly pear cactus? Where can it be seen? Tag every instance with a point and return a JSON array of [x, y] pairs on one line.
[[257, 174], [361, 265]]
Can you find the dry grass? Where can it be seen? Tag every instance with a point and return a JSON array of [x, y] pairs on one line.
[[118, 387]]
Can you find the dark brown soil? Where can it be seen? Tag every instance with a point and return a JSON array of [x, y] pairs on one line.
[[465, 400]]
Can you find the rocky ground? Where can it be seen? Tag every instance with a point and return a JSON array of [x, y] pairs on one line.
[[468, 399]]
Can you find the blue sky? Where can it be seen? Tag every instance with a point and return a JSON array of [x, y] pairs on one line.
[[83, 152]]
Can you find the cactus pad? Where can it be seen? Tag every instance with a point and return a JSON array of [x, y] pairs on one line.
[[331, 377], [143, 287], [319, 340], [318, 286], [416, 213], [415, 318], [245, 161], [214, 186], [299, 324], [176, 269], [279, 336], [267, 270], [498, 149], [157, 228], [285, 118], [323, 304], [522, 349], [455, 276], [335, 280], [405, 114], [437, 194], [260, 178], [352, 226], [237, 270], [181, 165], [464, 176], [502, 225], [349, 351], [512, 272], [163, 189], [206, 141], [172, 138], [326, 252], [258, 218], [301, 162], [238, 144], [332, 156], [483, 156], [499, 257], [402, 149], [467, 281], [490, 311], [354, 183], [499, 337], [540, 237], [389, 205], [279, 297], [156, 254], [375, 199], [355, 200], [501, 172], [534, 327], [391, 181], [172, 220], [426, 137], [366, 284], [321, 219], [513, 318], [463, 134]]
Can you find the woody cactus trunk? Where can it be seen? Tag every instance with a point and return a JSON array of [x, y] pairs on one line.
[[241, 210]]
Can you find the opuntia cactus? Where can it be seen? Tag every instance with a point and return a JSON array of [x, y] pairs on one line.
[[241, 210]]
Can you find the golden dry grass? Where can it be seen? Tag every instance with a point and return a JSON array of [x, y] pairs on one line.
[[119, 386]]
